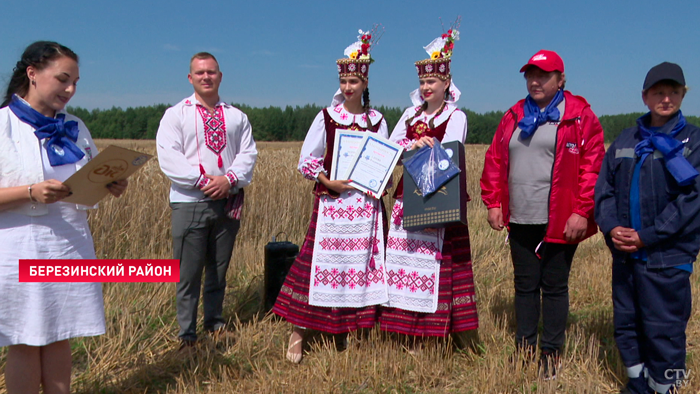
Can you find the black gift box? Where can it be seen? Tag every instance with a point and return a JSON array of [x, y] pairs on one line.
[[446, 206]]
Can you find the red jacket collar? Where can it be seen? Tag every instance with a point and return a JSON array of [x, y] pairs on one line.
[[573, 106]]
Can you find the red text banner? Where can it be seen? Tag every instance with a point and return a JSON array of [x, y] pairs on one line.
[[125, 270]]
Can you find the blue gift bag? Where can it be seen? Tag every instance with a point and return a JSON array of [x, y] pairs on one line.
[[431, 168]]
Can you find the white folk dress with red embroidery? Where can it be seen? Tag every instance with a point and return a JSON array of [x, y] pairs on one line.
[[347, 267], [412, 260]]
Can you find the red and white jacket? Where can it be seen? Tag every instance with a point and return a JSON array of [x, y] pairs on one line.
[[578, 156]]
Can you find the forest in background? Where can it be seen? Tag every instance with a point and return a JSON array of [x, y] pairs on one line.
[[291, 123]]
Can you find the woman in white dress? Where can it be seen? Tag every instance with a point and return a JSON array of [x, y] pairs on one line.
[[41, 147]]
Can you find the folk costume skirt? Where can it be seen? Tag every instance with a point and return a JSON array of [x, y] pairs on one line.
[[293, 300], [456, 301]]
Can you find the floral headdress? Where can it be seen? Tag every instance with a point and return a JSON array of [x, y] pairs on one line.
[[358, 54], [440, 51]]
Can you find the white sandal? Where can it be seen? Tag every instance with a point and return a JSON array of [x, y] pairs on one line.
[[293, 356]]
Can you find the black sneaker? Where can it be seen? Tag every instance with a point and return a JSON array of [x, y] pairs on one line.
[[549, 364], [636, 385]]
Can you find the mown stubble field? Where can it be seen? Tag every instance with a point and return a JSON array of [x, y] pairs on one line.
[[138, 354]]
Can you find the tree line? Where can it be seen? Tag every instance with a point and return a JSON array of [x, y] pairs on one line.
[[292, 123]]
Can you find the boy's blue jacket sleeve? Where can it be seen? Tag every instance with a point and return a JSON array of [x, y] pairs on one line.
[[605, 209]]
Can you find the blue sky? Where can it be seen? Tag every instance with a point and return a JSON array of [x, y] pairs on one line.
[[136, 53]]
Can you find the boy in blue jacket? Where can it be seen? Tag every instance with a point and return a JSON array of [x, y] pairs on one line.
[[647, 205]]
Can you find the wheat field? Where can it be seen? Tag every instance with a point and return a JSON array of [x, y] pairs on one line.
[[138, 354]]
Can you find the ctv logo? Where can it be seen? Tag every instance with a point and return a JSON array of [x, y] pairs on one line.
[[681, 377]]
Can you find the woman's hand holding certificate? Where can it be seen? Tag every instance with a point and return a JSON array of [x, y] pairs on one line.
[[374, 163], [339, 186]]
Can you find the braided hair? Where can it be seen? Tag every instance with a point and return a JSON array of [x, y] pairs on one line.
[[365, 106], [37, 55], [422, 109], [439, 111]]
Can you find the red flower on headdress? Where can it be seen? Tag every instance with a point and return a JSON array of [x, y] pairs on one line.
[[442, 46], [361, 48]]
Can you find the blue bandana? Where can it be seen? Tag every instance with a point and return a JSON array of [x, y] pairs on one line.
[[534, 118], [671, 148], [62, 135]]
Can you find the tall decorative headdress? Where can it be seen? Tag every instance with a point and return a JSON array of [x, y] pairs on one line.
[[358, 54], [440, 51]]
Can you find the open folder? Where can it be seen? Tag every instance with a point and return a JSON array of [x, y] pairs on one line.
[[89, 184]]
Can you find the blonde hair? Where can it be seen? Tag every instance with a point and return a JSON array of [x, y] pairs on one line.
[[203, 55]]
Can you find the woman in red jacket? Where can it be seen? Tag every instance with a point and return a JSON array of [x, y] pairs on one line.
[[538, 180]]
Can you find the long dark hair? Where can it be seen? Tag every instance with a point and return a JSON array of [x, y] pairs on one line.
[[37, 55]]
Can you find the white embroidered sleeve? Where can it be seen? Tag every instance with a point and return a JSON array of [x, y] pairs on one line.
[[383, 129], [456, 127], [311, 158], [171, 153], [240, 173], [400, 131]]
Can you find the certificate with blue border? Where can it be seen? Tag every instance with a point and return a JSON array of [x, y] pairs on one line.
[[374, 164], [346, 145]]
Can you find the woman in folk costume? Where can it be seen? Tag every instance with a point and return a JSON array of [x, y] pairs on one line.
[[429, 272], [338, 278], [41, 147]]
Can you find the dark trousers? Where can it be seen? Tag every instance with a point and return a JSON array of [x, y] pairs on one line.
[[203, 238], [651, 311], [546, 278]]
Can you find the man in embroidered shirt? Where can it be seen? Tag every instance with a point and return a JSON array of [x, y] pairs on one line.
[[206, 149]]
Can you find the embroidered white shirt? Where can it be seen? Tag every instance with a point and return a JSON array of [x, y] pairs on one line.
[[182, 148]]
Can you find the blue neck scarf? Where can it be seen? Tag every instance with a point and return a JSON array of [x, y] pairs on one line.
[[671, 148], [62, 135], [534, 118]]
